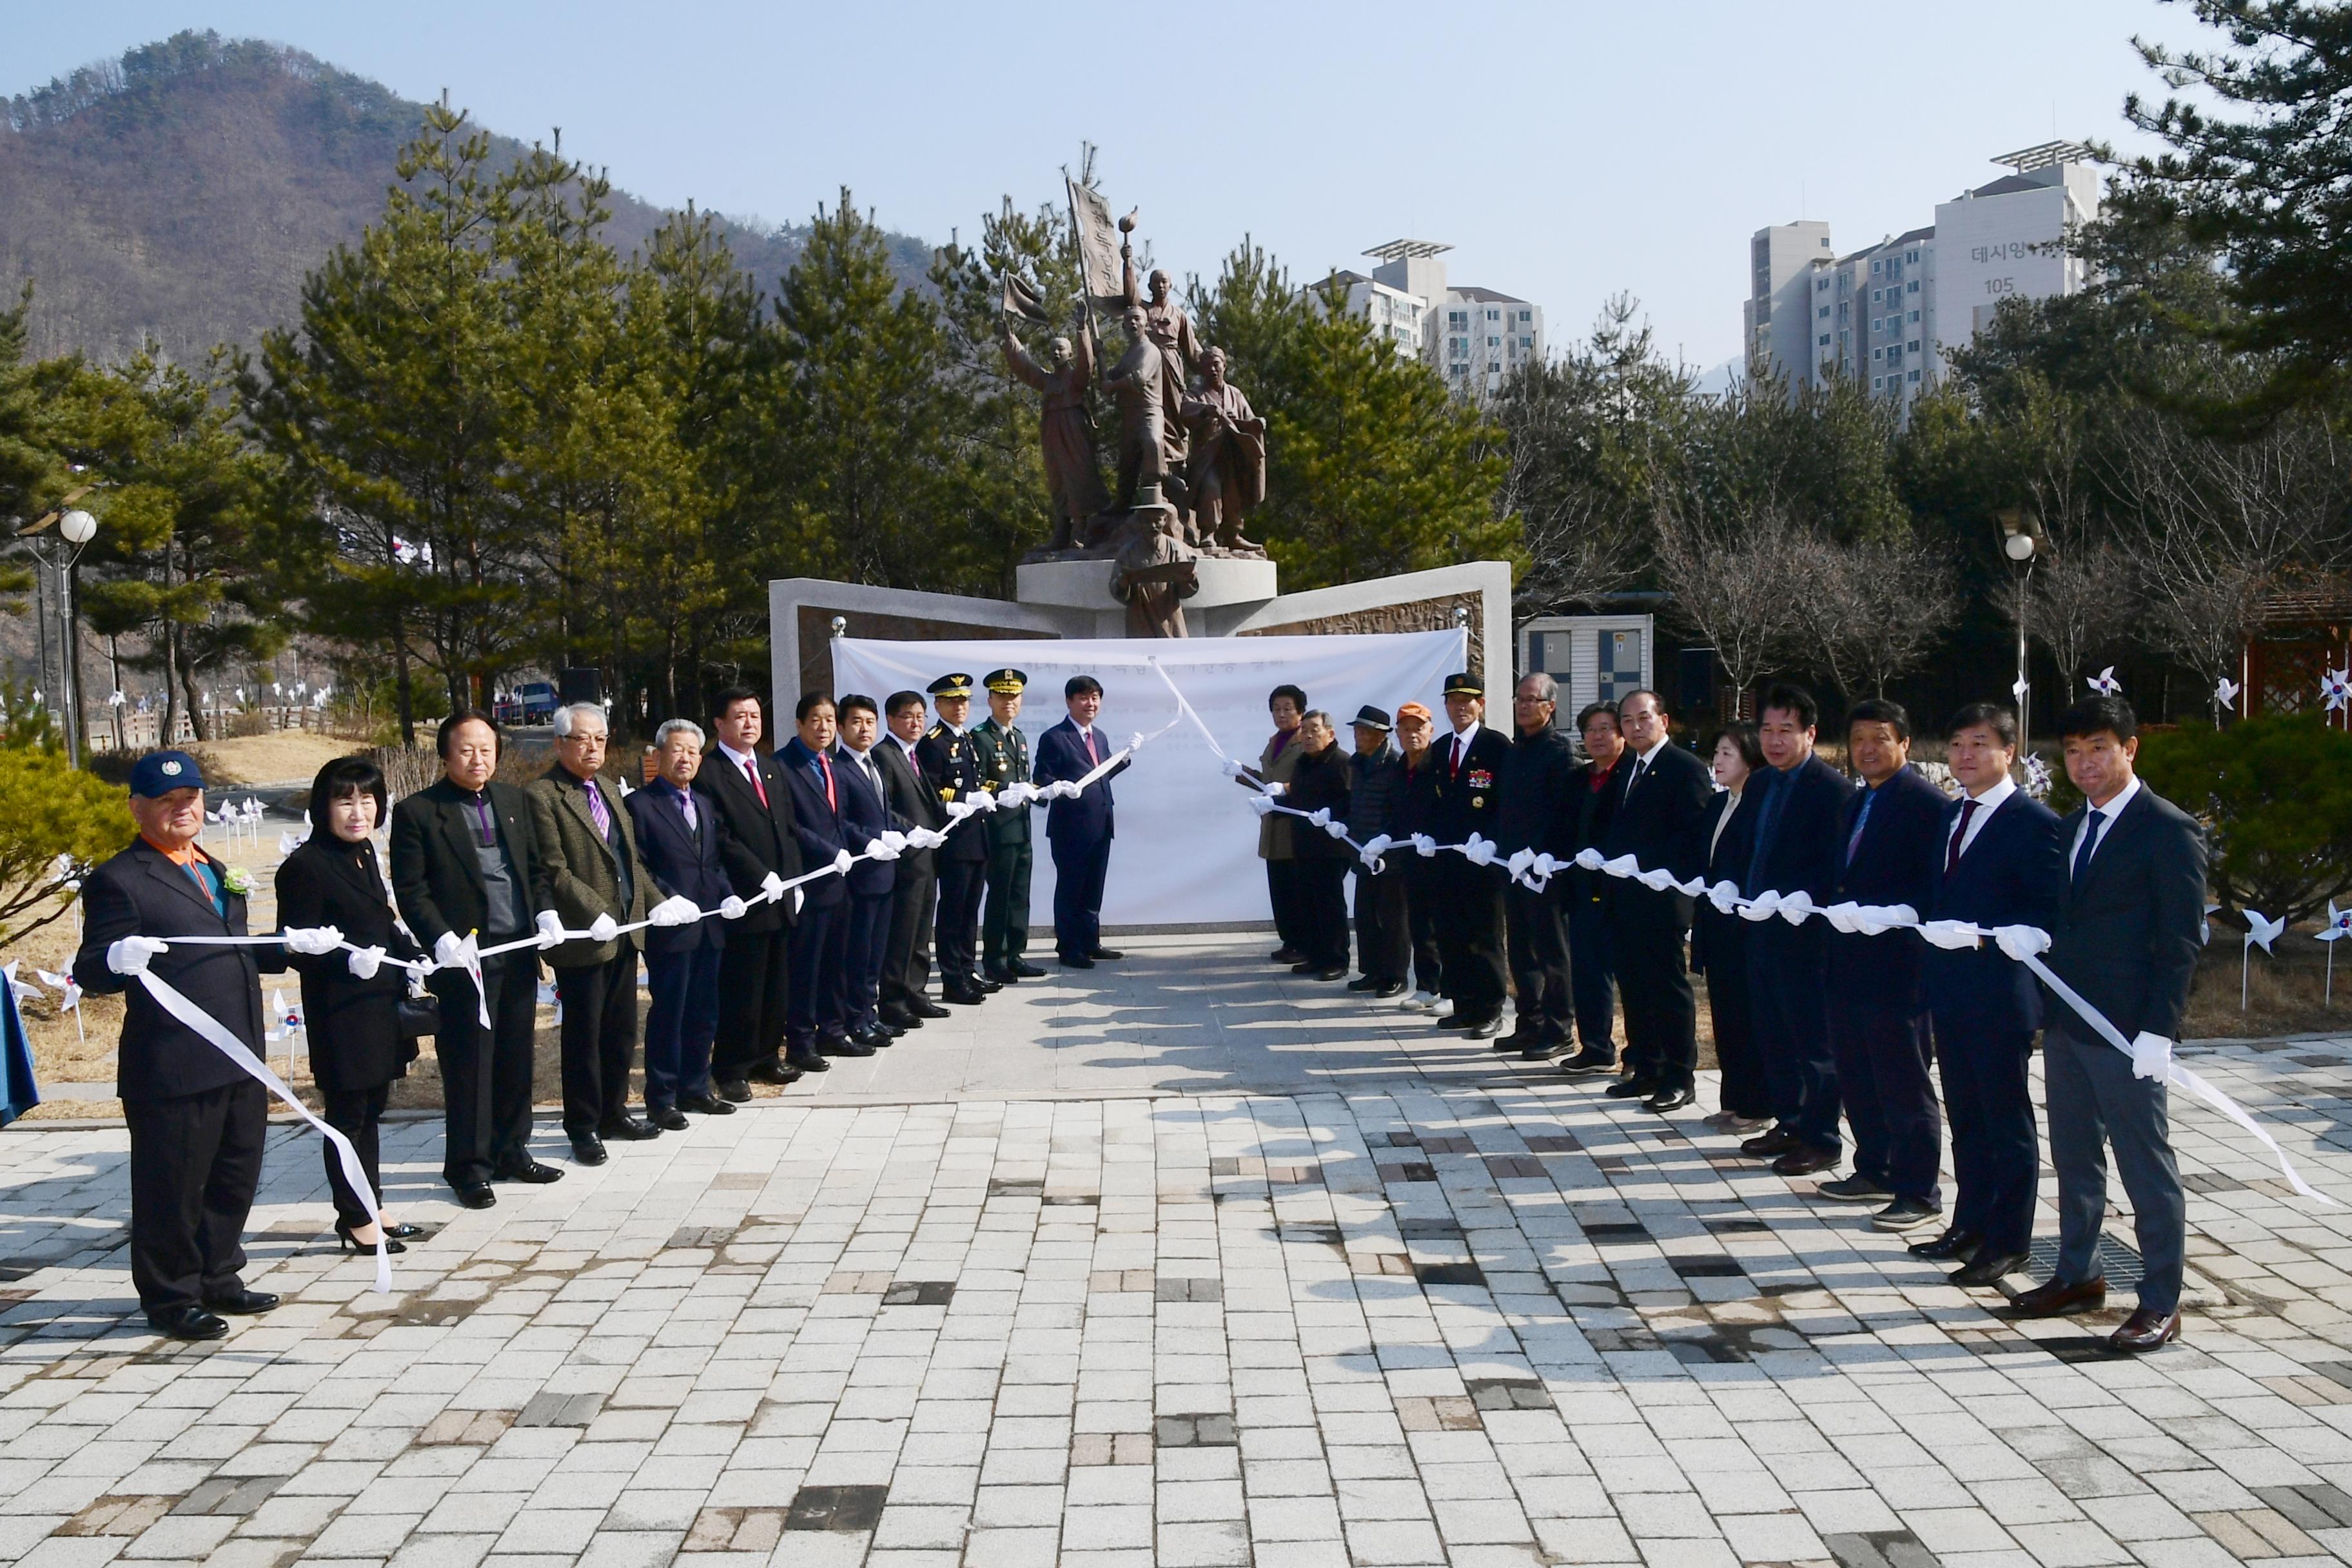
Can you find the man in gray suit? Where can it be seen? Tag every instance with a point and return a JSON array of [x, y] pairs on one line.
[[2127, 940]]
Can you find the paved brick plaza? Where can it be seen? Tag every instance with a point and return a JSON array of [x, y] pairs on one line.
[[1182, 1262]]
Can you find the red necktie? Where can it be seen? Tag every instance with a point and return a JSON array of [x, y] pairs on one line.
[[1091, 759], [751, 770], [825, 764], [1460, 746], [1959, 835]]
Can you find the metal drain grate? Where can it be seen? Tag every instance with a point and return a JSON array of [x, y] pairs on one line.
[[2116, 1261]]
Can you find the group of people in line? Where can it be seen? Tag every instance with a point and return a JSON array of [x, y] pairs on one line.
[[784, 979], [1813, 1027]]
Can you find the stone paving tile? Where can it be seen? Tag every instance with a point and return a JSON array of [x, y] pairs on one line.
[[1402, 1302]]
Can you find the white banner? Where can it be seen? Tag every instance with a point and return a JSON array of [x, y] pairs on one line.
[[1186, 847]]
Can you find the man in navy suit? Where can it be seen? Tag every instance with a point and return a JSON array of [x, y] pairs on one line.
[[1797, 847], [1998, 864], [683, 842], [865, 816], [2127, 940], [1662, 809], [1457, 796], [1889, 836], [813, 1020], [1078, 830], [743, 786]]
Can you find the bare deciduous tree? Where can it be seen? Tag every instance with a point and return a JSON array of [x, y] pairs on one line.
[[1735, 584]]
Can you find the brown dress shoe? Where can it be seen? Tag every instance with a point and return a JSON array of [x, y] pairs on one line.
[[1802, 1161], [2144, 1331], [2057, 1298]]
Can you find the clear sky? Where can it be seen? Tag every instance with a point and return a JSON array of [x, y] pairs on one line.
[[1567, 150]]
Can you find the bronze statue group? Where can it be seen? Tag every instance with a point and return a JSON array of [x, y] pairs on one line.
[[1861, 939]]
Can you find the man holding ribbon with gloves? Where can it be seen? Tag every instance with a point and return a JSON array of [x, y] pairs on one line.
[[196, 1118]]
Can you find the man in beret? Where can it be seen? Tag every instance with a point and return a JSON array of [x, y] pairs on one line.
[[196, 1118]]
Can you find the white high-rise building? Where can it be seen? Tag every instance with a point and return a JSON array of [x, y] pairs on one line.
[[1395, 315], [1890, 315], [1475, 337]]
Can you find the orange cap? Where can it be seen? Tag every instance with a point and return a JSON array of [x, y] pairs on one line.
[[1413, 710]]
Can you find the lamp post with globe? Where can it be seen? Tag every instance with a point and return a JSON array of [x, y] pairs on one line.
[[73, 532], [2018, 545]]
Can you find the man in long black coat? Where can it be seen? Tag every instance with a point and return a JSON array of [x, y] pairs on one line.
[[745, 787], [1661, 813], [1463, 786]]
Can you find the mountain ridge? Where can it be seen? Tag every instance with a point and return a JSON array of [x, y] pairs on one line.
[[179, 195]]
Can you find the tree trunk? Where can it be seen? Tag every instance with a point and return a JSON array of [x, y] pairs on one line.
[[407, 688]]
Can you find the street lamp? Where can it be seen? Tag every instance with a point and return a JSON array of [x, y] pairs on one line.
[[75, 530], [2017, 544]]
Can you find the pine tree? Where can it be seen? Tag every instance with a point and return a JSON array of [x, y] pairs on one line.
[[32, 475]]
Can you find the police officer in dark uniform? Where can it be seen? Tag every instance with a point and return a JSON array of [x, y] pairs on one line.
[[1004, 752], [950, 766], [1462, 790]]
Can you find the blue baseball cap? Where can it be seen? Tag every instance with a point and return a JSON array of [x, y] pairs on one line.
[[158, 773]]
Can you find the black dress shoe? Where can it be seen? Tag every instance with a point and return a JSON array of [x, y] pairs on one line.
[[1457, 1020], [843, 1046], [1590, 1063], [898, 1018], [1363, 983], [2058, 1299], [1769, 1145], [1667, 1099], [670, 1119], [1337, 972], [1305, 966], [402, 1232], [877, 1036], [988, 987], [737, 1090], [1023, 970], [1985, 1268], [1632, 1089], [1804, 1161], [1392, 989], [964, 995], [2144, 1330], [807, 1064], [588, 1149], [630, 1128], [529, 1171], [244, 1303], [772, 1072], [1105, 955], [704, 1105], [924, 1007], [1486, 1028], [191, 1323], [1075, 960], [1285, 954], [997, 975], [476, 1194], [1954, 1246], [1538, 1050]]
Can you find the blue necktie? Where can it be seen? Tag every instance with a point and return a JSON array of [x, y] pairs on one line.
[[2090, 827], [1861, 821]]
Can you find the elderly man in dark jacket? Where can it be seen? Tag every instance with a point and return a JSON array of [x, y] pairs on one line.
[[1376, 786], [1537, 814], [196, 1118], [684, 842]]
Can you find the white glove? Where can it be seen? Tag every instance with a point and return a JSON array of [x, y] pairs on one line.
[[1233, 769], [926, 838], [1425, 846], [1762, 907], [1954, 936], [1623, 866], [981, 800], [1844, 916], [2151, 1056], [365, 963], [1479, 851], [1376, 846], [1796, 906], [879, 847], [1262, 804], [894, 840], [1519, 863], [799, 899], [675, 910], [1277, 789], [843, 860], [449, 950], [1657, 879], [1336, 829], [604, 928], [130, 955], [772, 888], [1319, 817], [1897, 917], [550, 930], [312, 941], [1371, 857], [2022, 943], [1545, 866], [1016, 795], [1723, 895], [731, 908], [1134, 742], [1590, 858], [1068, 789]]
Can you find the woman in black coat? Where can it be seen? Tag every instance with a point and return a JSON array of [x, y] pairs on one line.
[[1320, 782], [353, 1023], [1720, 941]]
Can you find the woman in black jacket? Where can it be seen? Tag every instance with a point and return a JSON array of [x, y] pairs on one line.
[[353, 1023], [1320, 782], [1720, 941]]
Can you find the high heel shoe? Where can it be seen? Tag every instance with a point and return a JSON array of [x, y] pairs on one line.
[[346, 1242], [402, 1232]]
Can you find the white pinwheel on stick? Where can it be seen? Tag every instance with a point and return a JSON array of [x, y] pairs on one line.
[[2260, 930], [2339, 925], [2106, 684]]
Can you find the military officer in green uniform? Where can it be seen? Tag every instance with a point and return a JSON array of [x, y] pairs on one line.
[[1004, 752], [949, 767]]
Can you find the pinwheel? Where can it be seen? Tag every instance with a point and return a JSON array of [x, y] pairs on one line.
[[2037, 777], [2225, 696], [2335, 687], [2339, 925], [68, 996], [2106, 684], [2261, 929]]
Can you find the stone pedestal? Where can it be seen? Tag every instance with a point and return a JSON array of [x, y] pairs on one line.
[[1232, 590]]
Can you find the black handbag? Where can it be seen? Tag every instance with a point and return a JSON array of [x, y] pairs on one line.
[[419, 1016]]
